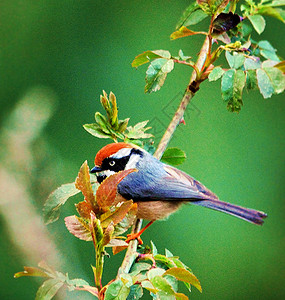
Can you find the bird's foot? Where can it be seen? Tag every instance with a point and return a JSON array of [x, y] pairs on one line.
[[134, 236]]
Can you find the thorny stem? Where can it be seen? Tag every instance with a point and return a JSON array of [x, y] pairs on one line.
[[190, 91]]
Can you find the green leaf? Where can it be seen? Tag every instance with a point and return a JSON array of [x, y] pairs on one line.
[[281, 66], [56, 199], [258, 23], [213, 7], [102, 122], [184, 275], [139, 267], [173, 156], [141, 125], [183, 57], [178, 263], [76, 282], [264, 84], [277, 3], [168, 262], [48, 289], [154, 273], [276, 13], [114, 116], [153, 248], [161, 284], [216, 74], [277, 79], [267, 50], [156, 74], [228, 84], [96, 230], [236, 60], [123, 124], [136, 292], [183, 32], [233, 82], [138, 131], [251, 80], [192, 15], [245, 29], [117, 291], [168, 253], [252, 63], [147, 56], [205, 6], [148, 286], [97, 131]]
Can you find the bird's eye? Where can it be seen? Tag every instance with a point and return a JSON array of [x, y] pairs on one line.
[[112, 163]]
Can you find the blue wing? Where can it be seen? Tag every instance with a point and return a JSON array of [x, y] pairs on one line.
[[160, 181]]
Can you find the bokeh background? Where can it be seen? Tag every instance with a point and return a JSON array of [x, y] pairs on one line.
[[56, 57]]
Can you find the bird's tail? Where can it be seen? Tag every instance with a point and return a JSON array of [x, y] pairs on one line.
[[250, 215]]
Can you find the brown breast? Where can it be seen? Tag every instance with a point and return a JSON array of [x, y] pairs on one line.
[[154, 210]]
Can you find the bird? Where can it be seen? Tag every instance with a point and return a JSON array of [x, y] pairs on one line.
[[158, 188]]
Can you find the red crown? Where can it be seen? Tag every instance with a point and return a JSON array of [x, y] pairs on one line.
[[108, 150]]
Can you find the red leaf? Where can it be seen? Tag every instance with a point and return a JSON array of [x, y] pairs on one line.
[[78, 228], [184, 31], [83, 183], [108, 232], [107, 191], [118, 249], [84, 209], [118, 215], [31, 271]]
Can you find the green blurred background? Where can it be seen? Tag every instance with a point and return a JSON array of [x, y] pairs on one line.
[[56, 57]]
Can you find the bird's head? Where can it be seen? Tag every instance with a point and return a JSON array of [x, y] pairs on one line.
[[116, 157]]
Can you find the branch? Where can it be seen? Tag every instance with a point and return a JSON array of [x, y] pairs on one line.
[[131, 253], [190, 91]]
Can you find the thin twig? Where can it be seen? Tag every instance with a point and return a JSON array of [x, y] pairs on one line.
[[190, 91], [131, 253], [188, 95]]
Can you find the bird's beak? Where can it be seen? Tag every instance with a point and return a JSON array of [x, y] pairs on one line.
[[95, 170]]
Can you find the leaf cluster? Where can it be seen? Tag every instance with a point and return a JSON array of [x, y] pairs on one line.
[[250, 73], [110, 127], [54, 281], [156, 273], [103, 215], [233, 31]]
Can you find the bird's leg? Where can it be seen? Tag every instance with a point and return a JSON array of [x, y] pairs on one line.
[[137, 235]]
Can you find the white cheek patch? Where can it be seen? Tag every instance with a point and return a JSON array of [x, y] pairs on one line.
[[107, 173], [132, 163]]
